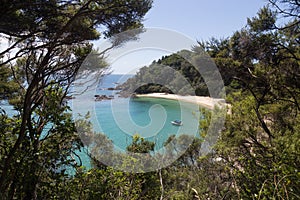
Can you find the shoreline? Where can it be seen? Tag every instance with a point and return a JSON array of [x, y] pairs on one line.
[[204, 101]]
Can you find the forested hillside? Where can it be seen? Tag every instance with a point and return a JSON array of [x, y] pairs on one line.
[[149, 78]]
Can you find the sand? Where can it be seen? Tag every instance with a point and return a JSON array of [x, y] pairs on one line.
[[203, 101]]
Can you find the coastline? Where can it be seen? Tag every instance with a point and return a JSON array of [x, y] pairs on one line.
[[203, 101]]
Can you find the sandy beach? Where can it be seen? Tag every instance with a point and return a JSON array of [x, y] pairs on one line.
[[206, 102]]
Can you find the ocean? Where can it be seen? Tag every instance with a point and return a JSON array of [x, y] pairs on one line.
[[121, 118]]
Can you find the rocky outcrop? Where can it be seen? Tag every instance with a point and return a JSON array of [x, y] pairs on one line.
[[103, 97]]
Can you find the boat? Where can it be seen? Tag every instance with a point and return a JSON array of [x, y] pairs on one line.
[[177, 122]]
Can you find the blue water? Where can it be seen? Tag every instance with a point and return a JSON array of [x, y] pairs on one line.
[[119, 119], [7, 108]]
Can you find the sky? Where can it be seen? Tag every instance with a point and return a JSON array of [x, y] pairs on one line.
[[197, 20], [177, 24], [202, 19]]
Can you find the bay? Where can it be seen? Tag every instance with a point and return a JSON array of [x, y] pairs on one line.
[[121, 118]]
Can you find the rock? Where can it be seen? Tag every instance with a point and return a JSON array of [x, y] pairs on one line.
[[69, 97], [103, 97]]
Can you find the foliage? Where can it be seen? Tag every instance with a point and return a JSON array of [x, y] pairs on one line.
[[119, 184], [48, 43], [260, 141], [140, 145], [256, 156], [7, 85], [170, 74]]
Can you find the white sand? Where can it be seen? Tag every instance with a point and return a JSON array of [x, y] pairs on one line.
[[206, 102]]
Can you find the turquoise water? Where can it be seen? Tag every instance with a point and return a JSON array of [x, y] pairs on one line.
[[119, 119], [8, 109], [151, 118]]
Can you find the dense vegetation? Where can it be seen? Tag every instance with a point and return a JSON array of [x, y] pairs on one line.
[[48, 42], [257, 154], [149, 78]]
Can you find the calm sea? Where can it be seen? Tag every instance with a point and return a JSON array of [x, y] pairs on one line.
[[121, 118], [151, 118]]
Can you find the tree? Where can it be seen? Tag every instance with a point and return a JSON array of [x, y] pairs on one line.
[[170, 74], [48, 44], [7, 86], [260, 141], [140, 145]]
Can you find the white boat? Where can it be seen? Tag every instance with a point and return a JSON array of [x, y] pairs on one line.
[[177, 122]]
